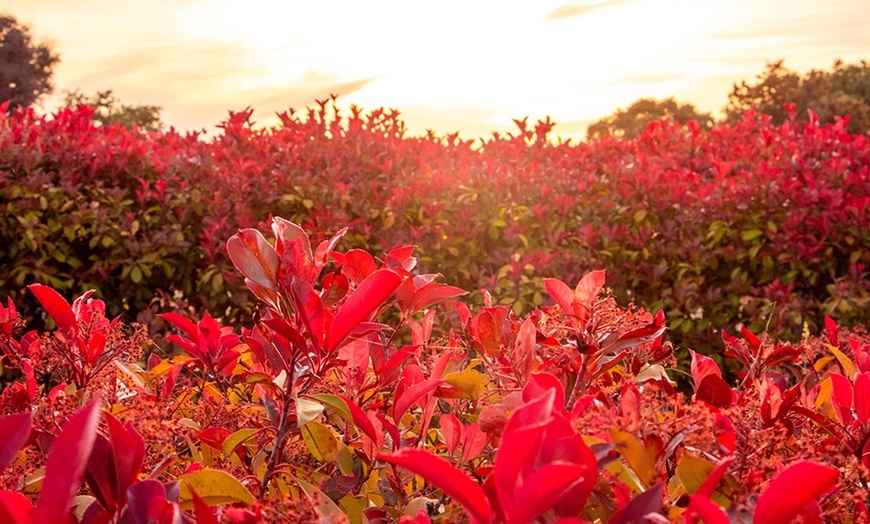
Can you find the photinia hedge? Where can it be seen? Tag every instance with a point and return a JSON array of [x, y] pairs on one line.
[[749, 224], [317, 410]]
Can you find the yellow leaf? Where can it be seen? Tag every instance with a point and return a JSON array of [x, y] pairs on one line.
[[693, 471], [214, 487], [326, 507], [820, 364], [823, 399], [470, 382], [239, 437], [848, 365], [320, 440], [641, 456]]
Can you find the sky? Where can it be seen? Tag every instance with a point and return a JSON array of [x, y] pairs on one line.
[[467, 66]]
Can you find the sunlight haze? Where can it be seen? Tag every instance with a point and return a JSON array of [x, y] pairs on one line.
[[448, 66]]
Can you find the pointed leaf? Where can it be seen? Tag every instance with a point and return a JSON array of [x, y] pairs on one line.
[[320, 440], [862, 397], [450, 479], [561, 293], [702, 509], [451, 428], [714, 391], [66, 462], [543, 489], [57, 308], [411, 395], [789, 491], [214, 486], [701, 367], [365, 301], [587, 291], [650, 501], [254, 258], [359, 417], [14, 433], [14, 508]]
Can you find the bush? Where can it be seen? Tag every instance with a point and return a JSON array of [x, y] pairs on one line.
[[315, 411]]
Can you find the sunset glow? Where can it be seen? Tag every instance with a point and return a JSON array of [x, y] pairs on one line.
[[452, 66]]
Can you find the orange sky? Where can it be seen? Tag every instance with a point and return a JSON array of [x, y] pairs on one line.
[[468, 66]]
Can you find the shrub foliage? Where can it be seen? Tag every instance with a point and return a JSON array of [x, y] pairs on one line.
[[315, 411]]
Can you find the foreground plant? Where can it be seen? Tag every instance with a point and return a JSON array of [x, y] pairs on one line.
[[364, 391]]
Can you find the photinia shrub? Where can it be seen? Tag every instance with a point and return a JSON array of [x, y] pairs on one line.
[[749, 224], [361, 390]]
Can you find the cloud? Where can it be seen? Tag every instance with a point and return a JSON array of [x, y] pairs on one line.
[[579, 8], [649, 78], [306, 92]]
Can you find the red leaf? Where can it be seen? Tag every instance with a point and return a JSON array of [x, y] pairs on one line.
[[561, 293], [321, 254], [712, 480], [524, 349], [701, 508], [294, 251], [701, 367], [587, 291], [181, 323], [450, 479], [201, 509], [753, 341], [714, 391], [411, 395], [14, 508], [365, 301], [452, 430], [543, 489], [473, 442], [255, 258], [433, 293], [66, 462], [650, 501], [58, 309], [310, 308], [357, 265], [129, 450], [214, 437], [833, 331], [14, 433], [725, 432], [862, 397], [841, 397], [360, 419], [789, 491]]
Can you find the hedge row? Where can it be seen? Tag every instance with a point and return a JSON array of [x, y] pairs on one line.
[[763, 225]]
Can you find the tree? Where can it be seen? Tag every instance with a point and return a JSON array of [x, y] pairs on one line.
[[25, 67], [109, 111], [637, 116], [829, 94]]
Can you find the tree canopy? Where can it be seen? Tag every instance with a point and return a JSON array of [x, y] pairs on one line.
[[108, 110], [631, 121], [25, 66], [844, 90]]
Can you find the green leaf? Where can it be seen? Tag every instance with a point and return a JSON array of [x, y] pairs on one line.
[[336, 404], [751, 234], [214, 487]]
